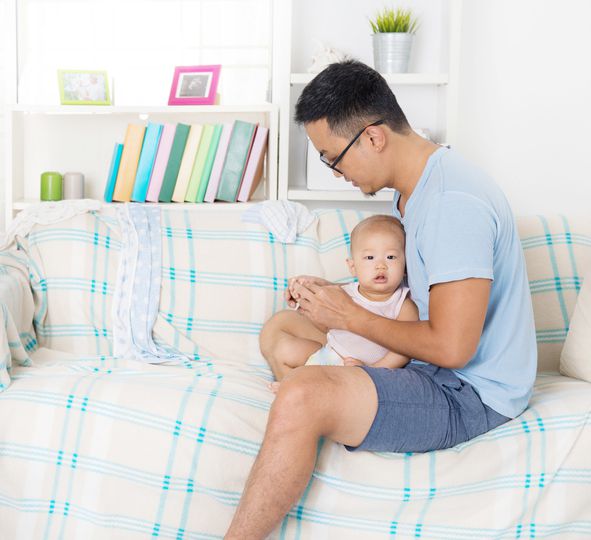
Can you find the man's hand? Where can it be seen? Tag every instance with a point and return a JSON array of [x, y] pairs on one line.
[[349, 361], [291, 300], [326, 305]]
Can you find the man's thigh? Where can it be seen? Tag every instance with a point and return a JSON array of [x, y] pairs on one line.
[[423, 408], [342, 400]]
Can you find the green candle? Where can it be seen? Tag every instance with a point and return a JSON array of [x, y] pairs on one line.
[[51, 186]]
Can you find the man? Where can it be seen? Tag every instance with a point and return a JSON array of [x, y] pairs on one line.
[[474, 346]]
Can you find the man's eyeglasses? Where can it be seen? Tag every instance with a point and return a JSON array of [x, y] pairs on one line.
[[333, 165]]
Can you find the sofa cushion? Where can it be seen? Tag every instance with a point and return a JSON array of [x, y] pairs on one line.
[[73, 266], [557, 253], [575, 360], [222, 279]]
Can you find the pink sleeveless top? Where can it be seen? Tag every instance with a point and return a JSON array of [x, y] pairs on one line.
[[349, 344]]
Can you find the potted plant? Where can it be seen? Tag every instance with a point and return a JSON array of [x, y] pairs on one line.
[[393, 30]]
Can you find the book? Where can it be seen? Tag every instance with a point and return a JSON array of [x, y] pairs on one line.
[[132, 146], [218, 163], [254, 167], [235, 162], [161, 161], [146, 162], [187, 162], [196, 175], [213, 147], [174, 162], [113, 170]]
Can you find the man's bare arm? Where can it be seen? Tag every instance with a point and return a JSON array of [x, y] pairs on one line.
[[449, 338]]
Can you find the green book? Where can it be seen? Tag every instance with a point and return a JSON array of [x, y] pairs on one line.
[[213, 148], [174, 162], [199, 163], [236, 158]]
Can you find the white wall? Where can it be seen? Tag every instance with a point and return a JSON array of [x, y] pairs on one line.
[[525, 100], [525, 86]]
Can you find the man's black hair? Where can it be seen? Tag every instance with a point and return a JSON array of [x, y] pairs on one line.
[[350, 95]]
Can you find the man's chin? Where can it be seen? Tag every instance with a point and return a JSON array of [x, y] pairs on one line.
[[370, 194]]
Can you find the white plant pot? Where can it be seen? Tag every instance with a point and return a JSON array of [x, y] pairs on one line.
[[391, 51]]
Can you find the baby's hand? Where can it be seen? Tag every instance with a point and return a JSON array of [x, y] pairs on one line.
[[348, 361]]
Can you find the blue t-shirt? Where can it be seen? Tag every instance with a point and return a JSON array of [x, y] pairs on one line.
[[459, 225]]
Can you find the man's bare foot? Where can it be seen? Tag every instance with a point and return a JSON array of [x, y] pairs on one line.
[[274, 386]]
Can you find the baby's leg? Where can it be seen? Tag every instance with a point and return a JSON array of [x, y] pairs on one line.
[[287, 340]]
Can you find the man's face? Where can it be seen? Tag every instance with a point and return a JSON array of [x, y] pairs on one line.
[[357, 165]]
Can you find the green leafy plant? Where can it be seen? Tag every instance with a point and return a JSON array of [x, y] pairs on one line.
[[394, 20]]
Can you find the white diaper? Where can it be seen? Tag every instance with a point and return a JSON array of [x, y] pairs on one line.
[[325, 357]]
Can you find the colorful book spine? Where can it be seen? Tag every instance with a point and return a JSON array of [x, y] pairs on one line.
[[146, 163], [236, 157], [218, 164], [189, 159], [174, 162], [132, 146], [196, 175], [213, 148], [162, 156], [254, 168], [113, 170]]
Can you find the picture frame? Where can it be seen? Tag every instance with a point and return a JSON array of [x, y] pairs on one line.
[[194, 85], [83, 87]]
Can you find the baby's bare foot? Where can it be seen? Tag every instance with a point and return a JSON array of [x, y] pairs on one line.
[[274, 386]]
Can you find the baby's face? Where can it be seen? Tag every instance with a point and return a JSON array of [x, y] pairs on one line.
[[378, 261]]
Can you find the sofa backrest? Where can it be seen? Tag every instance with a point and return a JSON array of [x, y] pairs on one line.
[[558, 256], [72, 266], [222, 278]]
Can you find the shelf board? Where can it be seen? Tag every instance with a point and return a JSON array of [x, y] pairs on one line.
[[140, 109], [319, 195], [25, 203], [407, 79]]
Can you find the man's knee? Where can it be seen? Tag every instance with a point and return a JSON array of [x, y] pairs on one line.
[[301, 400]]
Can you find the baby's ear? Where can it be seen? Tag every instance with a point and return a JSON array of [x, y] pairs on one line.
[[351, 266]]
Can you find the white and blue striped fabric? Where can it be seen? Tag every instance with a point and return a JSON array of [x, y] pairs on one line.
[[95, 446], [137, 289]]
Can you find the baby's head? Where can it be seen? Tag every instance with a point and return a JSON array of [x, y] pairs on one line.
[[377, 256]]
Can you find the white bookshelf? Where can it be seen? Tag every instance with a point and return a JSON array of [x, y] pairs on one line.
[[81, 138], [429, 96], [395, 79]]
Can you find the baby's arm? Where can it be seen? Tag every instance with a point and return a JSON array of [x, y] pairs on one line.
[[392, 360]]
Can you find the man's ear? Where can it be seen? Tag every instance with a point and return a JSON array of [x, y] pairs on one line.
[[351, 266], [377, 136]]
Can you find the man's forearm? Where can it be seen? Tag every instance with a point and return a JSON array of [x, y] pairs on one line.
[[414, 339]]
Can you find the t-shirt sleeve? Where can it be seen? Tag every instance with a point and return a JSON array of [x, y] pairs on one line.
[[458, 238]]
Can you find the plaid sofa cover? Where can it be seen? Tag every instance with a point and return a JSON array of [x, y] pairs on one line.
[[93, 446]]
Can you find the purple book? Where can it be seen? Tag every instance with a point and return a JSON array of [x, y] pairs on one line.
[[161, 161]]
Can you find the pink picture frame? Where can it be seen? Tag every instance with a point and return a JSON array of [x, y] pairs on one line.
[[194, 85]]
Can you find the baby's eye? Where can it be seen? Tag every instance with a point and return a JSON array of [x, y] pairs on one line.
[[369, 257], [391, 257]]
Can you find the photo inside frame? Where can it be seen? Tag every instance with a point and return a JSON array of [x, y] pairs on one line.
[[84, 87], [194, 85]]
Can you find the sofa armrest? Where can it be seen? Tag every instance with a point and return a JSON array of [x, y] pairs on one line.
[[17, 334]]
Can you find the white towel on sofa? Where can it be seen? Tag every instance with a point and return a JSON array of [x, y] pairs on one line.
[[45, 213], [284, 219]]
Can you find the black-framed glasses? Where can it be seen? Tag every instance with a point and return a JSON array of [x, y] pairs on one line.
[[333, 165]]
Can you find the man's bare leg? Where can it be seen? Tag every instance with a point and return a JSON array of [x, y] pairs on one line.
[[336, 402], [287, 340]]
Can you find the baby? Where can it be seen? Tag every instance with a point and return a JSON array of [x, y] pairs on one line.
[[378, 262]]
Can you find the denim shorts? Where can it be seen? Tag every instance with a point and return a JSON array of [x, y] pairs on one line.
[[422, 407]]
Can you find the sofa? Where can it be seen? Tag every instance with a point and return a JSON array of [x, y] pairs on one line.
[[96, 444]]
